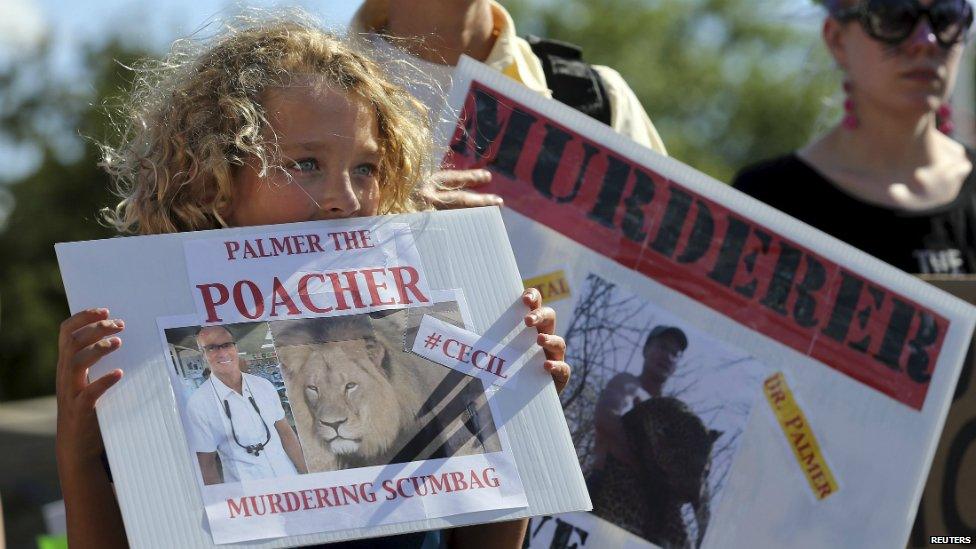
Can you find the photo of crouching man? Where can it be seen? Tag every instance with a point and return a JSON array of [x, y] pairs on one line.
[[652, 451], [656, 414]]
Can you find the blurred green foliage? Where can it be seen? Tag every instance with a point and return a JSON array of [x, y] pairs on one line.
[[58, 201], [726, 82]]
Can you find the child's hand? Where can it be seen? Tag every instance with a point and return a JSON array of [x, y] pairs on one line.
[[81, 343], [544, 320], [451, 190]]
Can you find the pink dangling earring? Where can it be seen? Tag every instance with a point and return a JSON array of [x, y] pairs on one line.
[[850, 121], [943, 118]]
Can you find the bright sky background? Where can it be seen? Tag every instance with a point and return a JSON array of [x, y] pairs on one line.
[[156, 23], [74, 24]]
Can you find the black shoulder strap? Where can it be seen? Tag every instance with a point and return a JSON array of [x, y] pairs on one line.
[[572, 80]]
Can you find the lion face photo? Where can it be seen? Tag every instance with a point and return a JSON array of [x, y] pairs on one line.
[[361, 399], [350, 398]]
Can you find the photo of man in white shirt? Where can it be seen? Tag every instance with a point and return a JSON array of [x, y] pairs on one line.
[[236, 423]]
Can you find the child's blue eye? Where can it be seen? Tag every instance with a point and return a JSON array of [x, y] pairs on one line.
[[366, 170], [306, 165]]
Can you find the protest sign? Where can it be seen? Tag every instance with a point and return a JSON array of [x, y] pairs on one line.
[[629, 245], [273, 394]]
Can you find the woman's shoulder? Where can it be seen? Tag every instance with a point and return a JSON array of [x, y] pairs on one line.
[[790, 184], [770, 174]]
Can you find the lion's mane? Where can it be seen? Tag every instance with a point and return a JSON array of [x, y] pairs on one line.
[[391, 400]]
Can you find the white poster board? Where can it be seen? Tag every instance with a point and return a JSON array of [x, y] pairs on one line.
[[323, 318], [860, 359]]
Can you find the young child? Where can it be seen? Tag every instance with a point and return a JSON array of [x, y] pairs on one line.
[[274, 122]]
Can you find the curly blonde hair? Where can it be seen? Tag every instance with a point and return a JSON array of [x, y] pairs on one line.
[[196, 117]]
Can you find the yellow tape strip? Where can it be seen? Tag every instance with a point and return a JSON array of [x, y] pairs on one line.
[[800, 436], [552, 286]]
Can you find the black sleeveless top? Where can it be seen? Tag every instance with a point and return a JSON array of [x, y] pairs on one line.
[[939, 240]]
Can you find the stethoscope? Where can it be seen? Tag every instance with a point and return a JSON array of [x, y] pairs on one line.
[[254, 449]]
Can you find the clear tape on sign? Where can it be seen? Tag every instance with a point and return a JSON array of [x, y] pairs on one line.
[[467, 352]]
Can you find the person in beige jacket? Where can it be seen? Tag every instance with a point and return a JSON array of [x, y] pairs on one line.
[[428, 37]]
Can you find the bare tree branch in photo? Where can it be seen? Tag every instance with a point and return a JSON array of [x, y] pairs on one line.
[[602, 325]]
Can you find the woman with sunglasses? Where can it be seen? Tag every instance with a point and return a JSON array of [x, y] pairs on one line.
[[887, 179]]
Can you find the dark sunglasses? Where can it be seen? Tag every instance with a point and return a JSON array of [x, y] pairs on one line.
[[893, 21]]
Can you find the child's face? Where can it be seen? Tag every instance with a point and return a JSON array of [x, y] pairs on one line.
[[330, 148]]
